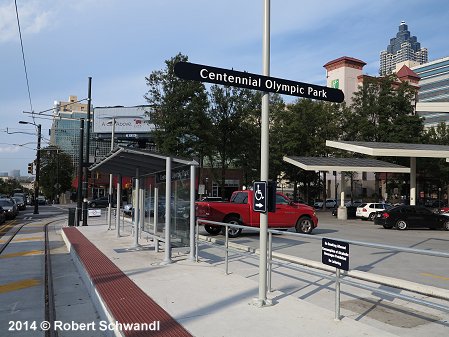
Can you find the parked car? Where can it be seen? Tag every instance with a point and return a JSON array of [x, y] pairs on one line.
[[350, 212], [329, 203], [2, 215], [404, 217], [20, 202], [100, 202], [368, 211], [41, 200], [9, 207]]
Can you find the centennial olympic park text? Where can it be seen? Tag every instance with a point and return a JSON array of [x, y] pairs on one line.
[[202, 73], [267, 83]]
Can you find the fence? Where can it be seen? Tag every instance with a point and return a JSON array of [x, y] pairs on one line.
[[430, 291]]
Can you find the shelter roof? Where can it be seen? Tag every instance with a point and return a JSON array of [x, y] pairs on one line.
[[392, 149], [125, 161], [344, 164]]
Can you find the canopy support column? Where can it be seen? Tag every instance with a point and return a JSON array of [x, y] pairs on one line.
[[412, 181]]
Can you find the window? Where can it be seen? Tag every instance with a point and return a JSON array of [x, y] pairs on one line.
[[240, 198], [280, 200]]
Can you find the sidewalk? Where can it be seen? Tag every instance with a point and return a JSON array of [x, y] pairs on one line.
[[208, 303]]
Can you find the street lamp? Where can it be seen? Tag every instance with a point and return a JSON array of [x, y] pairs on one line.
[[38, 165]]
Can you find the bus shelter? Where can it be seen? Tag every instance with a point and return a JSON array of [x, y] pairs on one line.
[[411, 151], [325, 164], [164, 195]]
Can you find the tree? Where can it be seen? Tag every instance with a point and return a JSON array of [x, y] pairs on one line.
[[236, 128], [56, 171], [178, 110], [382, 111]]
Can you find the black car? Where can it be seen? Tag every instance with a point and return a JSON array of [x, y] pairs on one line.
[[101, 202], [350, 212], [403, 217]]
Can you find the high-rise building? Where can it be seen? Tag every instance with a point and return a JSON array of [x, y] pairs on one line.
[[65, 130], [433, 96], [403, 47]]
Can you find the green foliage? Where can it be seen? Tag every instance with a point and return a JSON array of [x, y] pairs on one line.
[[178, 110], [56, 168], [7, 186]]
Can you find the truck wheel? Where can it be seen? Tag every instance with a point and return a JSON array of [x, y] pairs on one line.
[[212, 230], [232, 231], [304, 225]]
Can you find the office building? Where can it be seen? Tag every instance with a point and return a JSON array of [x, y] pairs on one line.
[[65, 130], [403, 47], [433, 96]]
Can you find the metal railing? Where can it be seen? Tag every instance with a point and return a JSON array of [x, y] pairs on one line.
[[430, 291]]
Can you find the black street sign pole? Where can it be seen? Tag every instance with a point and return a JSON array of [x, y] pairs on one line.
[[80, 173], [87, 157]]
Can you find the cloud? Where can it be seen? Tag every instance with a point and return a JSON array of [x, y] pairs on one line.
[[9, 149], [33, 19]]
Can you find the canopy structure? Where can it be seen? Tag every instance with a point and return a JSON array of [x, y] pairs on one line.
[[396, 150], [137, 163], [344, 164], [125, 161]]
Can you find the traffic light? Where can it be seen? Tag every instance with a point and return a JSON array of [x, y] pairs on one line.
[[30, 168]]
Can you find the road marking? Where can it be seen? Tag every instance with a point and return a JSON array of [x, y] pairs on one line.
[[28, 253], [5, 288], [436, 276], [39, 238]]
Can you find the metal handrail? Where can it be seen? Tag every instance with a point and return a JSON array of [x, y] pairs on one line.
[[337, 277]]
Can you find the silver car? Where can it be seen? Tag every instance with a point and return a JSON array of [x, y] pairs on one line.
[[10, 208]]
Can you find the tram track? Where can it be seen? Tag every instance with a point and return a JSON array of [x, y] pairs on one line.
[[50, 312]]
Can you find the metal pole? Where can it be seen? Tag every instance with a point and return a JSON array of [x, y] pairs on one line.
[[337, 294], [38, 168], [264, 156], [270, 256], [87, 158], [80, 173], [226, 250], [136, 210], [412, 181], [197, 236], [167, 258], [110, 177], [192, 213], [119, 199], [156, 217]]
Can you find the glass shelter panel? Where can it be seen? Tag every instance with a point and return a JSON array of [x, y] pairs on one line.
[[179, 205]]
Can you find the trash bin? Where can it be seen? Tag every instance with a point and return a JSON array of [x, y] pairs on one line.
[[72, 212]]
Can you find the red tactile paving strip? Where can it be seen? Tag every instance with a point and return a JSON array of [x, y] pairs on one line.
[[126, 302]]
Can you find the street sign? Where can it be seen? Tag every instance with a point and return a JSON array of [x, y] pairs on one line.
[[260, 196], [335, 253], [203, 73]]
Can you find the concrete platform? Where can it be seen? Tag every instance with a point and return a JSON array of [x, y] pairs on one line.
[[208, 303]]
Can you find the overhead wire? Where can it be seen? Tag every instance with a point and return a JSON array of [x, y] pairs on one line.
[[23, 57]]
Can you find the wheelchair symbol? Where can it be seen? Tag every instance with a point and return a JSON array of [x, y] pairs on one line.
[[258, 194]]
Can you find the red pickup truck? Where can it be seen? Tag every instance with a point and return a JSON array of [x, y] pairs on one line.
[[239, 211]]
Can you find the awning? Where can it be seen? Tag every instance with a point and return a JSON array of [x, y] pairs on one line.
[[125, 161], [392, 149], [344, 164]]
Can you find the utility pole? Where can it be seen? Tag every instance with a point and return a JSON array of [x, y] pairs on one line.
[[38, 165], [87, 158], [80, 173]]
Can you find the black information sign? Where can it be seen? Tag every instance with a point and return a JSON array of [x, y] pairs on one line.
[[260, 196], [202, 73], [335, 253]]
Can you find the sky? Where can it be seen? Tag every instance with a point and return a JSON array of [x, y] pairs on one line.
[[118, 43]]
